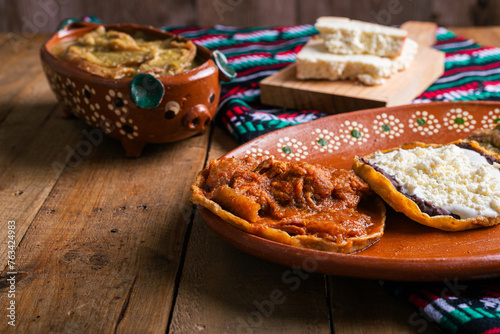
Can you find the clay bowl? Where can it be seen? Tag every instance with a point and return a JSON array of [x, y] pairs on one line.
[[143, 109]]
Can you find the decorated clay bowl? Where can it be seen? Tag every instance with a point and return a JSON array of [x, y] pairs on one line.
[[143, 109]]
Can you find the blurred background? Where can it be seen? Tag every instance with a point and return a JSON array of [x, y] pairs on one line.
[[43, 16]]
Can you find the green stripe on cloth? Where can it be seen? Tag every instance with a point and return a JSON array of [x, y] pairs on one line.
[[284, 48], [459, 316], [486, 314], [249, 126], [447, 35], [273, 122], [472, 313], [241, 130], [478, 97], [307, 32], [463, 81], [259, 62], [473, 61], [238, 102], [448, 325], [451, 49]]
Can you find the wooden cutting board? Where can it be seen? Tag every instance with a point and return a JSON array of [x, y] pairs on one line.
[[284, 90]]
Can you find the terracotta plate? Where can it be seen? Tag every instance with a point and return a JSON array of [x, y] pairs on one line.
[[407, 251]]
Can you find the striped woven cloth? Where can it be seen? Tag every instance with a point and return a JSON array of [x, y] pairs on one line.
[[254, 54], [472, 72]]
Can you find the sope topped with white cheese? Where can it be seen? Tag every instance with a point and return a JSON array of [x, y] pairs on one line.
[[457, 179]]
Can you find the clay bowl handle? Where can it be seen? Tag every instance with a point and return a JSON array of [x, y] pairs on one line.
[[226, 72], [74, 23]]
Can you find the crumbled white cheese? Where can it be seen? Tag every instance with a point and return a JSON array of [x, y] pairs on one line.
[[315, 62], [456, 179], [345, 36]]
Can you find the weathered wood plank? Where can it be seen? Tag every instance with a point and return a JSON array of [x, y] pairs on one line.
[[148, 12], [385, 12], [44, 16], [3, 9], [481, 35], [18, 70], [390, 12], [484, 13], [103, 251], [226, 291], [33, 135], [30, 146], [246, 13], [459, 13]]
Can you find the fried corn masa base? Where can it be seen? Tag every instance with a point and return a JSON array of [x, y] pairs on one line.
[[399, 202], [373, 206]]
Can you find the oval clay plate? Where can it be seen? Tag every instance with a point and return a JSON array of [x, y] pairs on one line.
[[407, 251]]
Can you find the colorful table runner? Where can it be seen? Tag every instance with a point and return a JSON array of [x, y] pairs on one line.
[[472, 72]]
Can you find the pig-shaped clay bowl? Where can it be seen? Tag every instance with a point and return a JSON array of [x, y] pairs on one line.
[[143, 109]]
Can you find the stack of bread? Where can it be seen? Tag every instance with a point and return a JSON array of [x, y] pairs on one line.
[[348, 49]]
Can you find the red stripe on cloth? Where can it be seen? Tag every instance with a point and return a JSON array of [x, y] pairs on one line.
[[472, 68], [234, 91], [295, 50], [292, 115], [451, 40], [230, 114], [245, 44], [492, 331], [430, 295], [188, 29], [209, 36], [247, 55], [467, 51], [415, 299], [491, 293], [261, 68], [238, 110], [288, 28], [435, 93]]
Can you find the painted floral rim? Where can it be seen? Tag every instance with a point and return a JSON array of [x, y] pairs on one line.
[[408, 251], [385, 125]]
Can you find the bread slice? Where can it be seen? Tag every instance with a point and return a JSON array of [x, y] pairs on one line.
[[315, 62], [345, 36], [451, 187]]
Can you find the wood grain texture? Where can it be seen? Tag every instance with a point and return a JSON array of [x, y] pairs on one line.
[[424, 33], [31, 129], [105, 247], [389, 12], [246, 13], [19, 65], [481, 35], [226, 291], [44, 16], [447, 14], [33, 16]]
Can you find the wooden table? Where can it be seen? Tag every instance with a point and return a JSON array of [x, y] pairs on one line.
[[108, 244]]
